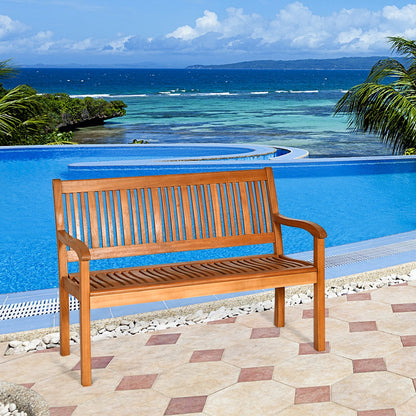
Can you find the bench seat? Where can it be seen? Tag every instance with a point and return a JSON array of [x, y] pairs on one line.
[[112, 218], [214, 277]]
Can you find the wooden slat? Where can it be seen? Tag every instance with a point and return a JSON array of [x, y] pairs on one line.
[[187, 216], [175, 246], [195, 213], [92, 208], [107, 184], [110, 218], [202, 211], [237, 202], [84, 218], [266, 206], [231, 208], [77, 219], [125, 215], [69, 212], [149, 220], [117, 222], [178, 213], [172, 216], [157, 215], [134, 214], [245, 207], [165, 213], [260, 206], [216, 210], [141, 211], [103, 221], [253, 211], [224, 209], [208, 209]]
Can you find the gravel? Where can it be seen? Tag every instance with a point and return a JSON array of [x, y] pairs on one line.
[[199, 313]]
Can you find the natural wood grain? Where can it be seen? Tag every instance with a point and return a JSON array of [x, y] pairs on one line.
[[124, 217]]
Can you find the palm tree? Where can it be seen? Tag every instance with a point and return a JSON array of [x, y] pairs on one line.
[[19, 109], [385, 104]]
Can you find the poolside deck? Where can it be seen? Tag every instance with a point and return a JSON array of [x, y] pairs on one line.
[[244, 365]]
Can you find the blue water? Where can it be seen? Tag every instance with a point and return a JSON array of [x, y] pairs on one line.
[[352, 202], [273, 107]]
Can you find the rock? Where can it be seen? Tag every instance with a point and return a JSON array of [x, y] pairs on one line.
[[15, 344]]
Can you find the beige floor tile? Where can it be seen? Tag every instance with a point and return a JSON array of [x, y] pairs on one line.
[[123, 346], [265, 398], [395, 294], [366, 310], [257, 320], [31, 367], [407, 409], [196, 379], [369, 391], [151, 360], [399, 324], [402, 362], [302, 330], [372, 344], [315, 409], [214, 336], [66, 389], [339, 300], [260, 352], [126, 403], [313, 370], [3, 348]]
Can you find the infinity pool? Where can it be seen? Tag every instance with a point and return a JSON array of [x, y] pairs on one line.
[[353, 199]]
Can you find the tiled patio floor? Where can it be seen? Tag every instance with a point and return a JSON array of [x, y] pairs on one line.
[[245, 366]]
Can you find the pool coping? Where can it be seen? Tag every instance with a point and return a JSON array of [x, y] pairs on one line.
[[350, 259]]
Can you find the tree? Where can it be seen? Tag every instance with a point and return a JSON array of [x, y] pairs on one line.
[[385, 104], [19, 109]]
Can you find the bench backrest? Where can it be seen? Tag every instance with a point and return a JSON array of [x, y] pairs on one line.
[[120, 217]]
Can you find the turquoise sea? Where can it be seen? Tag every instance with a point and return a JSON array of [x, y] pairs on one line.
[[273, 107]]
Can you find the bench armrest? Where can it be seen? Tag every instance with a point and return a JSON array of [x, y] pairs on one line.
[[78, 246], [315, 229]]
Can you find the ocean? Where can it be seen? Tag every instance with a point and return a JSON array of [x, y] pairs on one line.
[[273, 107]]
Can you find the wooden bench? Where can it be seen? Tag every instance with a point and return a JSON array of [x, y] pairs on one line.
[[135, 216]]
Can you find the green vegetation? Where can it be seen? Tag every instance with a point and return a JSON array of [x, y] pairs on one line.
[[28, 118], [385, 104], [300, 64]]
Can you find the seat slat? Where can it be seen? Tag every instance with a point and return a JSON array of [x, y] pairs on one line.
[[208, 270]]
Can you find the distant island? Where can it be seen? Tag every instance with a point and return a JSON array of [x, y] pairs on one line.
[[363, 63]]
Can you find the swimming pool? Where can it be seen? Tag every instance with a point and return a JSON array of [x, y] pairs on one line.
[[354, 199]]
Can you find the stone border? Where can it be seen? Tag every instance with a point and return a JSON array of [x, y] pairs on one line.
[[26, 400], [20, 342]]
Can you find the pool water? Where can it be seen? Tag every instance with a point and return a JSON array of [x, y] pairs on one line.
[[353, 201]]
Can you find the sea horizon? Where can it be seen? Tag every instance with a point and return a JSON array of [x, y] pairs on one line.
[[290, 108]]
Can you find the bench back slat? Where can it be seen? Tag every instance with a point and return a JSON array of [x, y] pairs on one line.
[[155, 214]]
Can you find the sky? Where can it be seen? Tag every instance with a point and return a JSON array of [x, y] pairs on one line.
[[178, 33]]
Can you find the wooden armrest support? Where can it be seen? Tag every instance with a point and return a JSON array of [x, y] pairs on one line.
[[313, 228], [78, 246]]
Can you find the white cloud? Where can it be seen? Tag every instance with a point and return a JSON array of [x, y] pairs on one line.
[[10, 28], [294, 31], [203, 25], [297, 28]]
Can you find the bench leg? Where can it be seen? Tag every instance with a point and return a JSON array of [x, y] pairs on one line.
[[319, 316], [85, 340], [64, 321], [279, 307], [319, 295]]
